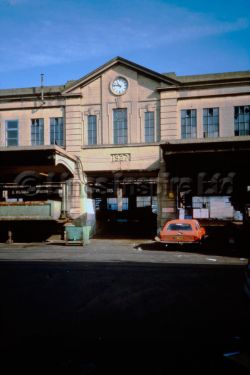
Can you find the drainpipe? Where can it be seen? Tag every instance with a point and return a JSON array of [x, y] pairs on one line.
[[63, 208], [66, 199]]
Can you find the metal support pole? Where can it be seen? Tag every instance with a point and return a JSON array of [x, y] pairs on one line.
[[64, 208], [9, 240]]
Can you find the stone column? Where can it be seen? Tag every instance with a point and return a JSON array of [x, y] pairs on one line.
[[166, 196]]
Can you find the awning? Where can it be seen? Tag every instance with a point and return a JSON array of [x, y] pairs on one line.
[[39, 159], [206, 145]]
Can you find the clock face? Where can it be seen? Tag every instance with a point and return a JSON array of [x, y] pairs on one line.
[[119, 86]]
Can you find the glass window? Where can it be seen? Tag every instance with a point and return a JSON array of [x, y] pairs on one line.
[[112, 204], [210, 122], [179, 226], [149, 127], [242, 120], [12, 133], [37, 131], [188, 123], [57, 131], [120, 126], [124, 204], [92, 133], [147, 201], [143, 201]]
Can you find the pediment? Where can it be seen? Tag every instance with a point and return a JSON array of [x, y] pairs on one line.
[[74, 85]]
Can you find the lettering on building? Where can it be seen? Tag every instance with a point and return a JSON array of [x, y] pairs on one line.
[[125, 157]]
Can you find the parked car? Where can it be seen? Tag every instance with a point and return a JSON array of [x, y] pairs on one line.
[[181, 231]]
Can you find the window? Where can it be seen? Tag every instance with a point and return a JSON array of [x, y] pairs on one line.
[[149, 127], [112, 204], [143, 201], [242, 120], [57, 131], [179, 226], [188, 123], [211, 122], [120, 126], [147, 201], [37, 131], [92, 134], [12, 133]]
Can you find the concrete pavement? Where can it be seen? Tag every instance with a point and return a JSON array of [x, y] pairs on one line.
[[120, 250]]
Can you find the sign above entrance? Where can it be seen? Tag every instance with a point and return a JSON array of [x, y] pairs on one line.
[[125, 157]]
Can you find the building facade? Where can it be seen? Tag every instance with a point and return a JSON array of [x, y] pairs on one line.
[[125, 147]]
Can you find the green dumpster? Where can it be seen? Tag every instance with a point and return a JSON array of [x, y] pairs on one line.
[[73, 233], [77, 234]]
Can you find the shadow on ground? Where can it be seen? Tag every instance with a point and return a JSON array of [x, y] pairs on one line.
[[222, 241]]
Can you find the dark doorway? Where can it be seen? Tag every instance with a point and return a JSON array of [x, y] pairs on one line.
[[126, 205]]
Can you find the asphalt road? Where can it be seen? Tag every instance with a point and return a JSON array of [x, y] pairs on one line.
[[119, 314], [125, 250]]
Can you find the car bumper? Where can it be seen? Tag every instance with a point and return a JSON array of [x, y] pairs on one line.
[[157, 239]]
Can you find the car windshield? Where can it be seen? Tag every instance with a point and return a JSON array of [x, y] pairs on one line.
[[179, 226]]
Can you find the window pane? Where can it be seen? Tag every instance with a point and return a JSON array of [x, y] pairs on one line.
[[112, 204], [143, 201], [12, 142], [12, 125], [216, 111]]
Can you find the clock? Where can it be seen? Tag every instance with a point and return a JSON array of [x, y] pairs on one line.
[[119, 86]]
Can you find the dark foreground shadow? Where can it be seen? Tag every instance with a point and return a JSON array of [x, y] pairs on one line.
[[95, 318], [209, 247]]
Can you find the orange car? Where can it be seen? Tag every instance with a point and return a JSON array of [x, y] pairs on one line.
[[181, 231]]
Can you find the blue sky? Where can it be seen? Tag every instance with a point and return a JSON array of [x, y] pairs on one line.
[[66, 39]]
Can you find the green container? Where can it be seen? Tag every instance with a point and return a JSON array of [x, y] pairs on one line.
[[78, 234], [74, 233]]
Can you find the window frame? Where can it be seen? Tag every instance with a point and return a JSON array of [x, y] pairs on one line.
[[149, 127], [7, 131], [60, 141], [210, 125], [92, 133], [120, 126], [242, 127], [38, 139], [189, 125]]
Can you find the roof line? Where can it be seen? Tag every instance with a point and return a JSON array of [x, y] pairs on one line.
[[120, 60]]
